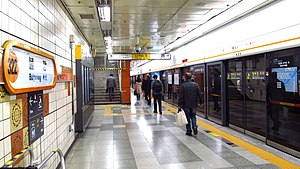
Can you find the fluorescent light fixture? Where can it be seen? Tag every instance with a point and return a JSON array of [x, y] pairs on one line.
[[104, 13]]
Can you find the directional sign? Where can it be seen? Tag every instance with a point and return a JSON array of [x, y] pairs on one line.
[[140, 56], [36, 128], [35, 103], [35, 115]]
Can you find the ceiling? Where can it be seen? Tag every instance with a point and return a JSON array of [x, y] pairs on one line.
[[152, 24]]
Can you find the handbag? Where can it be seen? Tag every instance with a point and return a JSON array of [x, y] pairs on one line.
[[181, 118], [134, 92]]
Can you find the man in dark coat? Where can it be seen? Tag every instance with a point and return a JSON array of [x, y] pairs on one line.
[[189, 97]]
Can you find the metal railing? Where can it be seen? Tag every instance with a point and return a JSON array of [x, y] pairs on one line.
[[8, 165], [61, 156]]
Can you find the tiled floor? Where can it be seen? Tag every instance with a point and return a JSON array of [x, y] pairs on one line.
[[132, 137]]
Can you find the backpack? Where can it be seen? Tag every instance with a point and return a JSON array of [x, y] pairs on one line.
[[157, 86]]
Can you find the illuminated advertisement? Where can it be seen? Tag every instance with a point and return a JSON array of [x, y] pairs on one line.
[[27, 69], [288, 76]]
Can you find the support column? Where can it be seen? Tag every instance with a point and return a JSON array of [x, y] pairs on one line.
[[79, 115], [125, 82]]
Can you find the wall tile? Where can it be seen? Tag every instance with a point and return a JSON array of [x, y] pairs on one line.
[[4, 97], [7, 146], [46, 104], [1, 150], [6, 110], [24, 98], [16, 115], [25, 137], [17, 142], [1, 111], [1, 161], [6, 127]]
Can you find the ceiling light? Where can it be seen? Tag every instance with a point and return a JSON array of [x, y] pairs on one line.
[[104, 13]]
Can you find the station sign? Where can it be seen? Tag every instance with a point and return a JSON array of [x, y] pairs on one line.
[[140, 56], [27, 69]]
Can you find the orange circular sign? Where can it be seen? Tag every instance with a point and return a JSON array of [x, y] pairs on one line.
[[13, 67]]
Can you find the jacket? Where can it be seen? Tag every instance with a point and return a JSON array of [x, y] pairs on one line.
[[110, 82], [189, 95]]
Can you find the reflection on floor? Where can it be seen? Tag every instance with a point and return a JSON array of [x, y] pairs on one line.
[[130, 137]]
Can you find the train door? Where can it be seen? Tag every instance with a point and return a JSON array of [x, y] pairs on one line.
[[255, 95], [198, 74], [246, 94], [215, 93], [235, 93]]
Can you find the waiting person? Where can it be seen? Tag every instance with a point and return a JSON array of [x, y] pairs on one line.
[[146, 87], [138, 88], [189, 97], [216, 91], [276, 93], [157, 92], [110, 85]]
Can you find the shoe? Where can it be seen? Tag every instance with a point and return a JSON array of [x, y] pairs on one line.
[[154, 112], [195, 130], [188, 134], [160, 112]]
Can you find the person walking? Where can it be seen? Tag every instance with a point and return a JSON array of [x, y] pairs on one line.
[[189, 97], [110, 86], [138, 88], [157, 92], [146, 87]]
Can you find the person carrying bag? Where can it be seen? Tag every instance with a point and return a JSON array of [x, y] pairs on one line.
[[189, 97]]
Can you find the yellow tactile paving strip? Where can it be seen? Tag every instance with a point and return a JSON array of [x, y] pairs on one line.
[[282, 163]]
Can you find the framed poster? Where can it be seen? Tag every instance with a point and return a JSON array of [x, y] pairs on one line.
[[176, 78], [27, 69], [169, 79]]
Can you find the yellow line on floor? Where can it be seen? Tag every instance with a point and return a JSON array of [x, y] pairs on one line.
[[107, 110], [280, 162]]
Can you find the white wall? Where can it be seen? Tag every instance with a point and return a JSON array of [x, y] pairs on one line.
[[43, 25]]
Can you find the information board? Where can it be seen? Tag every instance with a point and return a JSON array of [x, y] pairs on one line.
[[27, 69], [36, 128], [35, 115]]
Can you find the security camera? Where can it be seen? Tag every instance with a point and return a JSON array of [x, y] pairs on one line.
[[137, 48]]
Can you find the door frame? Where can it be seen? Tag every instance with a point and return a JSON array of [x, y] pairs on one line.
[[221, 121], [202, 66]]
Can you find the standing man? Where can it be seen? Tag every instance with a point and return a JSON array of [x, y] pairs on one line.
[[157, 92], [146, 86], [110, 85], [189, 97]]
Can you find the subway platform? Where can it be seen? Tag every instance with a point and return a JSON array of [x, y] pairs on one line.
[[132, 137]]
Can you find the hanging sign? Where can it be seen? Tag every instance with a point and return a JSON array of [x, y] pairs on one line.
[[27, 69], [140, 56]]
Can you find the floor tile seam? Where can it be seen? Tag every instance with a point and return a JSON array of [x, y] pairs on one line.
[[276, 160]]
